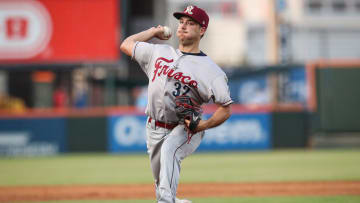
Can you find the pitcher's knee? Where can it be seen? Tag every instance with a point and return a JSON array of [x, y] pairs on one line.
[[169, 152]]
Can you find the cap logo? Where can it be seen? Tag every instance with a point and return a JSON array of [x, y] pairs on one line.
[[189, 10]]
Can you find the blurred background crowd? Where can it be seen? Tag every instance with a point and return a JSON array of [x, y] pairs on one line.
[[65, 54], [293, 69]]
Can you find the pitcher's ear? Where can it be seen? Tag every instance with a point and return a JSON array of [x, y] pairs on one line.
[[202, 31]]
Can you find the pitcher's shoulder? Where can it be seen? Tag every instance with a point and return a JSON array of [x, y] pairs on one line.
[[165, 47], [210, 65]]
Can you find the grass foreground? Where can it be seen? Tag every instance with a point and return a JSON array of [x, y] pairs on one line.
[[332, 199], [263, 166], [260, 166]]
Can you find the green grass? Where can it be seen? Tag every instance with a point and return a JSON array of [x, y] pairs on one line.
[[291, 165], [288, 165], [332, 199], [75, 169]]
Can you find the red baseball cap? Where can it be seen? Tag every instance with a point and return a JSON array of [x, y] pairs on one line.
[[196, 13]]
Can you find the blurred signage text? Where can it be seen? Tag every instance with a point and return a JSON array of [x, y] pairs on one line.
[[59, 31]]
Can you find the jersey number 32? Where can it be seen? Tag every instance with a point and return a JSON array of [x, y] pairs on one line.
[[180, 89]]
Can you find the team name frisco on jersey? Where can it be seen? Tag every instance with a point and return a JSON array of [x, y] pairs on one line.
[[164, 69]]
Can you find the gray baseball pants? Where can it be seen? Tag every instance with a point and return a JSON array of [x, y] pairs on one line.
[[166, 149]]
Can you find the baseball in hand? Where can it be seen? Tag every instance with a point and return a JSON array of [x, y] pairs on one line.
[[167, 31]]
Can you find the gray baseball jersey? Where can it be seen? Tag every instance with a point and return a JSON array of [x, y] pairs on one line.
[[172, 73]]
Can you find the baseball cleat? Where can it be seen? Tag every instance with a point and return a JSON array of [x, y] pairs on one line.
[[182, 201]]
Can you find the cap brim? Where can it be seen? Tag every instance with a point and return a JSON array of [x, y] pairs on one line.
[[178, 15]]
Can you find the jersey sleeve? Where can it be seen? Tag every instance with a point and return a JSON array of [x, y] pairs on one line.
[[142, 53], [219, 91]]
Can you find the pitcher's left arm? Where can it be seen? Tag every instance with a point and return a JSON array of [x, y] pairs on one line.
[[221, 114]]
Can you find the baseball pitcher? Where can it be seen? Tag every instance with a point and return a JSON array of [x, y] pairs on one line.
[[180, 81]]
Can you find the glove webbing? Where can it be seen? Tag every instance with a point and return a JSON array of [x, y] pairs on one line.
[[188, 105]]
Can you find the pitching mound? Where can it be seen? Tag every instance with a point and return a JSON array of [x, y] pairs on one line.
[[146, 191]]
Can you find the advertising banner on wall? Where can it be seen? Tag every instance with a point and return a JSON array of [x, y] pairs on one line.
[[58, 31], [240, 132], [251, 90], [30, 137], [127, 133]]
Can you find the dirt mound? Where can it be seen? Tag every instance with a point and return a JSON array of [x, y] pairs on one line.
[[146, 191]]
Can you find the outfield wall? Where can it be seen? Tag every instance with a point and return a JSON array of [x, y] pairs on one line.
[[33, 136], [123, 131]]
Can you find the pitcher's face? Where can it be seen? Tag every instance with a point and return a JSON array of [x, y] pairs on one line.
[[188, 30]]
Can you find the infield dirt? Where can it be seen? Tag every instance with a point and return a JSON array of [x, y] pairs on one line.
[[146, 191]]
